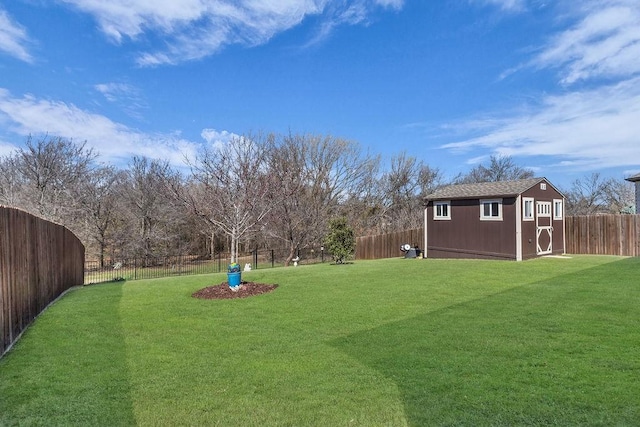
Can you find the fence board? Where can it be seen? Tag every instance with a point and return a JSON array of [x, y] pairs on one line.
[[388, 245], [589, 234], [39, 260], [603, 235]]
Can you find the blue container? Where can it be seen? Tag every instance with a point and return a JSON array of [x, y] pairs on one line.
[[233, 279]]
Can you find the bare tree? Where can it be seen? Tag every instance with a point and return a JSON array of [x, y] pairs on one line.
[[12, 183], [620, 195], [231, 188], [196, 198], [144, 197], [51, 168], [288, 222], [97, 197], [403, 188], [317, 176], [594, 194], [430, 180], [365, 209], [500, 168]]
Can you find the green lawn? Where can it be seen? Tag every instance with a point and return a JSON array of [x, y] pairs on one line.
[[392, 342]]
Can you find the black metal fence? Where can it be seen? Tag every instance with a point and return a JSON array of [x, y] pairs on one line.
[[154, 267]]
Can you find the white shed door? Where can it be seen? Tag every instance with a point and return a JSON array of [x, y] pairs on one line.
[[544, 228]]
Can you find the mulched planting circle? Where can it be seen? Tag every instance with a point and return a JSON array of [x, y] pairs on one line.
[[222, 291]]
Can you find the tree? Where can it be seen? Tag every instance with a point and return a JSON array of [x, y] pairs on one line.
[[593, 194], [52, 168], [317, 175], [153, 219], [97, 198], [231, 188], [500, 168], [11, 183], [402, 190], [340, 241], [620, 195]]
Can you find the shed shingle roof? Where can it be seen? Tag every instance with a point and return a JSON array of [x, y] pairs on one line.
[[634, 178], [484, 189]]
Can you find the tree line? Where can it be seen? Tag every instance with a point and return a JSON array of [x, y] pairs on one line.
[[255, 191]]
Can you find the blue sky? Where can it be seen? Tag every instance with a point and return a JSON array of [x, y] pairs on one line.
[[554, 84]]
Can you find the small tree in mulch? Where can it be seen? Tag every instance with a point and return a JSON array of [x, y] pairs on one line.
[[341, 240]]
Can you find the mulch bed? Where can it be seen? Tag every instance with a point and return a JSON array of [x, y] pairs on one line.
[[222, 291]]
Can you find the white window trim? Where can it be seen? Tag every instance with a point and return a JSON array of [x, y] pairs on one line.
[[491, 218], [446, 217], [525, 200], [560, 202]]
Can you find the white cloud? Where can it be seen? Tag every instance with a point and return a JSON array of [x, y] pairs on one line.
[[193, 29], [583, 130], [605, 42], [395, 4], [217, 138], [126, 18], [13, 38], [506, 5], [126, 96], [114, 141], [6, 148], [114, 91]]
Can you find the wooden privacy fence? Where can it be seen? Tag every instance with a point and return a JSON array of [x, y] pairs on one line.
[[603, 235], [39, 260], [388, 245], [592, 234]]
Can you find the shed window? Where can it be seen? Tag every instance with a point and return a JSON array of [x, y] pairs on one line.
[[544, 209], [527, 208], [557, 209], [442, 210], [491, 210]]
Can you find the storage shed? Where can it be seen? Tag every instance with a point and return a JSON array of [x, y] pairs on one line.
[[512, 220]]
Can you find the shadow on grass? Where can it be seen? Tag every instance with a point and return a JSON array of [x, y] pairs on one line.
[[557, 352], [79, 377]]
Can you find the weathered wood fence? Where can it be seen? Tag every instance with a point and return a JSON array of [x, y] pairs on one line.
[[388, 245], [593, 234], [603, 234], [39, 260]]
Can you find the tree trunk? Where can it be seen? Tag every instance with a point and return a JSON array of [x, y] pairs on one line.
[[102, 250], [292, 254], [234, 246], [213, 245]]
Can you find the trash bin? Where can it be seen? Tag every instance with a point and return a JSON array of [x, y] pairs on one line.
[[411, 253], [233, 279]]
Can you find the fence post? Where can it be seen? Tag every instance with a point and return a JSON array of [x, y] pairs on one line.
[[255, 258], [272, 259]]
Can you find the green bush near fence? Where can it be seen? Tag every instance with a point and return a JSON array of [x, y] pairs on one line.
[[390, 342]]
